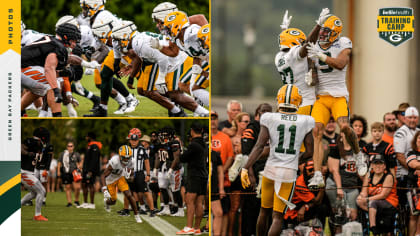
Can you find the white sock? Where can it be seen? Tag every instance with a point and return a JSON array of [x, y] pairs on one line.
[[49, 112], [120, 99], [143, 207], [90, 95], [70, 109], [129, 97], [202, 95], [175, 109], [104, 106], [201, 111], [43, 113]]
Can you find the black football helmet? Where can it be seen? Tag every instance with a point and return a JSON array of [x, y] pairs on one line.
[[166, 135], [68, 32], [42, 134]]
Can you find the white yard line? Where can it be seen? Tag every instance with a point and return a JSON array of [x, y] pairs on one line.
[[161, 225]]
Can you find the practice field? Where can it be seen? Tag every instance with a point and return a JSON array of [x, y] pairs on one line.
[[146, 107], [64, 220]]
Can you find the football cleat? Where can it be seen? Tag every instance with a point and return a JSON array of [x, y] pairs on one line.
[[124, 212], [91, 206], [165, 211], [138, 219], [291, 37], [197, 232], [40, 218], [317, 181], [179, 213], [288, 97], [174, 23], [131, 106], [100, 112], [330, 30], [185, 231], [84, 205], [121, 109]]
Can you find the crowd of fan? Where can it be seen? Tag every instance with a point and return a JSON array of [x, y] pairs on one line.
[[373, 196]]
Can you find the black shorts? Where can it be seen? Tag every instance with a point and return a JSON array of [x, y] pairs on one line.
[[236, 184], [91, 180], [225, 202], [67, 178], [140, 185], [154, 187], [196, 185], [215, 196]]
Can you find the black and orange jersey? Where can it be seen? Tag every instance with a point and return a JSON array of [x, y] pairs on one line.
[[165, 154], [302, 195], [375, 189], [43, 161], [32, 149], [383, 148], [36, 53]]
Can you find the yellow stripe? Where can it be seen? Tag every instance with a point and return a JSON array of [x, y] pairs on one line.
[[9, 184]]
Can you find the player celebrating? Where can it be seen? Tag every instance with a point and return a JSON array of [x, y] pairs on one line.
[[286, 131], [118, 167], [331, 54]]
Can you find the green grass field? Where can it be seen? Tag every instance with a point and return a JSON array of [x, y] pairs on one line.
[[64, 220], [146, 108]]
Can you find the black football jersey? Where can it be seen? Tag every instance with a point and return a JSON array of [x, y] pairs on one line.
[[28, 161], [36, 53], [43, 161], [383, 148], [165, 154]]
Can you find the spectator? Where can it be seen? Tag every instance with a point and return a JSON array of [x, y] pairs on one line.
[[331, 137], [91, 170], [360, 127], [217, 192], [378, 146], [402, 145], [379, 191], [400, 113], [308, 203], [195, 156], [241, 121], [413, 162], [69, 162], [52, 176], [390, 127], [233, 109], [220, 142], [342, 166]]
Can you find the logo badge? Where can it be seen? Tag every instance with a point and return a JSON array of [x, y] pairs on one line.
[[395, 24]]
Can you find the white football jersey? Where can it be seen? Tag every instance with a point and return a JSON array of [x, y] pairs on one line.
[[117, 169], [88, 39], [191, 44], [332, 81], [142, 47], [292, 69], [287, 132], [30, 36]]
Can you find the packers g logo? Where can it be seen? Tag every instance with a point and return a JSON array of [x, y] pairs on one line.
[[337, 23], [294, 32], [171, 18], [205, 30], [395, 24]]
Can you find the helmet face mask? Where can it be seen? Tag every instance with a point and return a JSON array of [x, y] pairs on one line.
[[91, 7], [124, 33], [166, 135], [125, 152], [204, 37], [330, 30], [174, 23]]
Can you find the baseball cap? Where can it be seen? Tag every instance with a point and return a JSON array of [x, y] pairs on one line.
[[377, 158], [214, 113], [411, 111]]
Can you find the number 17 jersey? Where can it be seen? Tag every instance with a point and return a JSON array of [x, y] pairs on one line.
[[287, 132]]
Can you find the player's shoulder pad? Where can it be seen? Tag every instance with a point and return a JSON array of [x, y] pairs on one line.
[[345, 42]]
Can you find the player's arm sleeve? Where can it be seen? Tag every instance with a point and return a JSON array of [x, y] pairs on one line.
[[248, 140]]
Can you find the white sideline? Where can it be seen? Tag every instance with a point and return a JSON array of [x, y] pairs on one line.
[[161, 225]]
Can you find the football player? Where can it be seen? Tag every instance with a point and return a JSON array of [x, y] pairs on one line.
[[170, 171], [185, 35], [163, 73], [30, 152], [40, 62], [286, 131], [28, 36], [115, 172], [331, 54], [95, 9], [43, 161]]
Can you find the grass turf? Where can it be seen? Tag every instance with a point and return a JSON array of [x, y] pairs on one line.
[[64, 220], [146, 107]]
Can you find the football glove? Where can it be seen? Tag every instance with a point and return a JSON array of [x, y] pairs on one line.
[[325, 13], [286, 21], [245, 178], [91, 65], [89, 71], [57, 95], [313, 53], [169, 173]]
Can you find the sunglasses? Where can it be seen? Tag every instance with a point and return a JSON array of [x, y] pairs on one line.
[[245, 121], [69, 145]]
